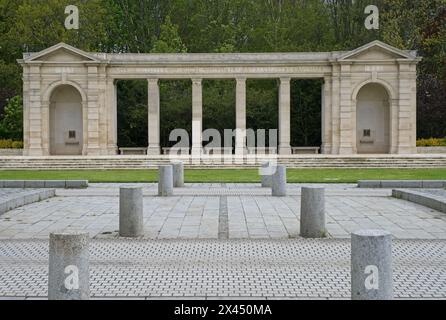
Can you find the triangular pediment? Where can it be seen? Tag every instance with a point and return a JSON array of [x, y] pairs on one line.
[[62, 52], [377, 50]]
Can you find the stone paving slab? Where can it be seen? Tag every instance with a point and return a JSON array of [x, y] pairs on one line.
[[204, 269], [199, 217]]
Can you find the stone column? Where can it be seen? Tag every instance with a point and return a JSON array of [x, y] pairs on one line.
[[131, 217], [165, 182], [197, 117], [284, 116], [327, 140], [154, 117], [312, 213], [69, 269], [240, 135], [279, 182], [371, 265], [112, 117]]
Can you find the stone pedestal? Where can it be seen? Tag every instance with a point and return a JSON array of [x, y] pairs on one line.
[[131, 218], [165, 182], [312, 213], [267, 179], [69, 269], [178, 174], [371, 265], [279, 182]]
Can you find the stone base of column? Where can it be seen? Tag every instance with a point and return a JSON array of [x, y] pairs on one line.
[[34, 152], [241, 151], [196, 151], [285, 150], [407, 150], [154, 151], [93, 151], [346, 151], [326, 149], [112, 150]]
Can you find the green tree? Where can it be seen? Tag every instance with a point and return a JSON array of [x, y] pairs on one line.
[[11, 123], [169, 40]]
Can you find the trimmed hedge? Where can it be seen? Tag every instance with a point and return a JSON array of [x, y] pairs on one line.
[[432, 142], [10, 144]]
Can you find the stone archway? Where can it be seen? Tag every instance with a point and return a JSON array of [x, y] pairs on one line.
[[66, 121], [373, 118]]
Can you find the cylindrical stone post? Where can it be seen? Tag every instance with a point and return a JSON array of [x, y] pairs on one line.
[[178, 174], [131, 218], [279, 182], [69, 267], [165, 182], [312, 213], [267, 180], [371, 265]]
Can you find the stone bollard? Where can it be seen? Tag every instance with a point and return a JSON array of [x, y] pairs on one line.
[[178, 174], [131, 218], [267, 180], [69, 270], [279, 182], [165, 183], [312, 213], [371, 265]]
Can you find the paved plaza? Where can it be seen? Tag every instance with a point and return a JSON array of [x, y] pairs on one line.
[[220, 241], [222, 211], [212, 269]]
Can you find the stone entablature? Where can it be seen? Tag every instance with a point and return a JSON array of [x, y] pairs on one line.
[[345, 74]]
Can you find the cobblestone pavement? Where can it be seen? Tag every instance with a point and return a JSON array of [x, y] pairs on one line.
[[215, 269], [216, 211]]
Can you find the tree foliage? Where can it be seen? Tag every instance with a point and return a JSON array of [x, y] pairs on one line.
[[11, 124], [172, 26]]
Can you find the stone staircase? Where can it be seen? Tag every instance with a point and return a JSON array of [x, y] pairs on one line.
[[143, 162]]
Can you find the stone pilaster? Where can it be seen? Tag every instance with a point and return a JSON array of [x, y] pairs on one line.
[[154, 117], [346, 113], [335, 114], [92, 130], [405, 120], [284, 116], [26, 111], [103, 110], [35, 128]]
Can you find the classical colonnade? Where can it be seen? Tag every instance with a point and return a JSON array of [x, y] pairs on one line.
[[197, 116], [368, 96]]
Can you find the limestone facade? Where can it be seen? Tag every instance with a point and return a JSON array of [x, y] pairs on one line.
[[347, 78]]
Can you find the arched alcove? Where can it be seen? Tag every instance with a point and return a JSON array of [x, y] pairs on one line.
[[66, 122], [373, 119]]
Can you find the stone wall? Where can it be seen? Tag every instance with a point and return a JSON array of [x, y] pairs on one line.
[[431, 150], [11, 152]]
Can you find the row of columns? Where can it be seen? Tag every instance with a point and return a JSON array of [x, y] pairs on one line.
[[197, 116]]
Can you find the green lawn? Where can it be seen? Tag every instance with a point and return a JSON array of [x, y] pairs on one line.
[[225, 175]]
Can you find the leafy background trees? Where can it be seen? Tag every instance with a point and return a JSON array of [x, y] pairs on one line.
[[166, 26]]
